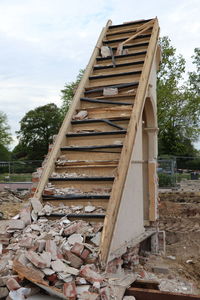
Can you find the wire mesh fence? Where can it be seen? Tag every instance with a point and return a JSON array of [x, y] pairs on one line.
[[18, 171], [177, 169]]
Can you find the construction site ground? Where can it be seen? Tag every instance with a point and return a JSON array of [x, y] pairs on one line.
[[179, 269]]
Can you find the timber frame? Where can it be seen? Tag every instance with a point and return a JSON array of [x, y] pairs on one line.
[[141, 97]]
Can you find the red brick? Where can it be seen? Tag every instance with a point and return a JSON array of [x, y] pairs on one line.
[[85, 254], [12, 284], [105, 293], [69, 290], [72, 228], [36, 260], [52, 248], [77, 249], [90, 275], [74, 260], [52, 278]]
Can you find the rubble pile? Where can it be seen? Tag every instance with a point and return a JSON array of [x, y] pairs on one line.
[[60, 256], [9, 196]]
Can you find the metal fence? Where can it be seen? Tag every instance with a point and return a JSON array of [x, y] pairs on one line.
[[18, 171], [174, 170]]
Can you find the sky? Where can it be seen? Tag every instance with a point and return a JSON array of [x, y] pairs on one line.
[[44, 43]]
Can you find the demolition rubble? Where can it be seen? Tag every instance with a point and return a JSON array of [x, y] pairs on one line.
[[59, 256]]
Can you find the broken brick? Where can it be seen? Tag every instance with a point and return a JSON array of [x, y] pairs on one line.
[[74, 260], [77, 249], [69, 290], [90, 275], [25, 215], [72, 228], [26, 242], [3, 292], [36, 260], [52, 248], [16, 225], [53, 278], [12, 284]]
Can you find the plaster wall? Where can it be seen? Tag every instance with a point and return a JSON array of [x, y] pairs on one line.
[[130, 218]]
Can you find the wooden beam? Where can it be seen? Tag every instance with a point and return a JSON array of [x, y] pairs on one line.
[[60, 140], [116, 194], [148, 294]]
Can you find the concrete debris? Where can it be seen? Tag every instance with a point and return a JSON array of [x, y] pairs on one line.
[[56, 254], [9, 196], [89, 208], [110, 91], [105, 51], [82, 114]]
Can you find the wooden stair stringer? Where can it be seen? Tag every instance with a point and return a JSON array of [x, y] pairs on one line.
[[128, 145], [60, 140]]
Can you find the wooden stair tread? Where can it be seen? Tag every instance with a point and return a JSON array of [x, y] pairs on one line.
[[86, 148], [142, 36], [95, 77], [121, 56], [138, 22], [75, 197], [95, 133], [97, 88], [97, 67], [95, 178], [91, 100]]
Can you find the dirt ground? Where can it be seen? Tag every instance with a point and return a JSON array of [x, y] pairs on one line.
[[181, 222]]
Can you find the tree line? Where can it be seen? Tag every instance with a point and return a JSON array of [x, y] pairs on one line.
[[178, 96]]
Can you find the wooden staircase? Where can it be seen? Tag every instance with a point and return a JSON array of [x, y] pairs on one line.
[[91, 155]]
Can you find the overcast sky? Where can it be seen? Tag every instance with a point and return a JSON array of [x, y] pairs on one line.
[[44, 43]]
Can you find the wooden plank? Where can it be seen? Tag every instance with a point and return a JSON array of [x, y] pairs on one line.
[[60, 140], [144, 294], [152, 173], [114, 80], [140, 30], [116, 194], [89, 170], [96, 202]]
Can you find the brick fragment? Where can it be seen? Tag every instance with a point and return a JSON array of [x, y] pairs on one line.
[[16, 225], [74, 260], [41, 245], [105, 293], [36, 260], [12, 284], [69, 290], [77, 249], [90, 275], [52, 248], [26, 242], [52, 278], [3, 292], [72, 228], [89, 296], [25, 215]]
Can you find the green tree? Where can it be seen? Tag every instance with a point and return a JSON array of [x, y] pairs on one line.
[[194, 77], [68, 92], [36, 132], [178, 105], [5, 137]]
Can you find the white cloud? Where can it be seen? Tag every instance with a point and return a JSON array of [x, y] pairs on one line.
[[45, 43]]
